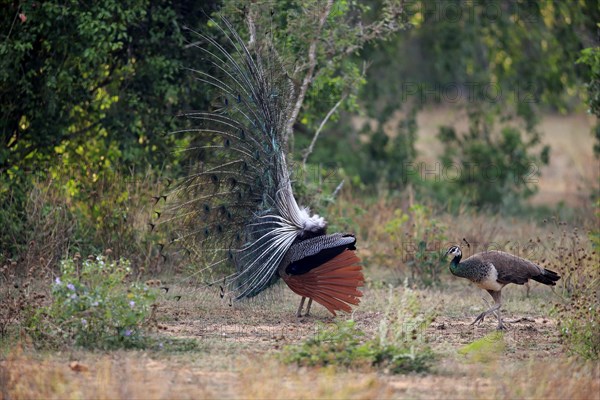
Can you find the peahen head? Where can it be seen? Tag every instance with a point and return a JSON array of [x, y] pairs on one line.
[[454, 251]]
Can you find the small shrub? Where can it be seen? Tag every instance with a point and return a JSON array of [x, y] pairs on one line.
[[19, 300], [343, 344], [578, 317], [418, 238], [492, 168], [93, 306]]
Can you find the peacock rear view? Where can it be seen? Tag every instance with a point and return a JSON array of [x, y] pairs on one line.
[[234, 209]]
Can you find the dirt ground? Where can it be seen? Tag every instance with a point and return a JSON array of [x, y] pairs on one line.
[[235, 354]]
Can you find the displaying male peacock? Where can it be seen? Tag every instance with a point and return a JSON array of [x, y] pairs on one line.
[[234, 210], [492, 270]]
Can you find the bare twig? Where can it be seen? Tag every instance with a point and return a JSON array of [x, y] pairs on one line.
[[337, 189], [312, 62], [251, 27], [310, 148], [13, 24], [377, 30]]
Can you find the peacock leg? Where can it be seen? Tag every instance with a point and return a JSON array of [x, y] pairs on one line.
[[299, 312], [308, 307]]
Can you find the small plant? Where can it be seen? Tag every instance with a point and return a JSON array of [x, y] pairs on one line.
[[396, 348], [486, 349], [93, 307], [418, 238], [18, 298], [578, 317]]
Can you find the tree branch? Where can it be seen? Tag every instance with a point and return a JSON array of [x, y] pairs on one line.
[[312, 62], [310, 148], [390, 24]]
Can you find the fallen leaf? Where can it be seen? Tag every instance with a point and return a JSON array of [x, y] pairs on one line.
[[78, 367]]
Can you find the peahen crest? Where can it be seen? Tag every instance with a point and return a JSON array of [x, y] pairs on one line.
[[234, 211]]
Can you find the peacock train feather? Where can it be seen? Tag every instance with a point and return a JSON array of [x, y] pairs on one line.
[[234, 209]]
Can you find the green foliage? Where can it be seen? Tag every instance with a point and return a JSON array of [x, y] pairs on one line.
[[591, 58], [514, 59], [317, 44], [95, 84], [418, 237], [87, 93], [93, 306], [343, 344], [490, 168], [486, 349], [397, 347]]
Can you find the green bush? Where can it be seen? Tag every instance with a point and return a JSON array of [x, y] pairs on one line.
[[397, 347], [343, 344], [93, 307], [490, 168], [591, 58]]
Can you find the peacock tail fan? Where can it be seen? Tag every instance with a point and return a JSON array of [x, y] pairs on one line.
[[232, 212]]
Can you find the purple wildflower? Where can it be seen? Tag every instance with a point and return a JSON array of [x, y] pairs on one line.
[[132, 303], [70, 286], [83, 322], [127, 332], [57, 281]]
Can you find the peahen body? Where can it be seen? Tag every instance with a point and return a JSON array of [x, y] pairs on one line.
[[492, 270], [234, 211]]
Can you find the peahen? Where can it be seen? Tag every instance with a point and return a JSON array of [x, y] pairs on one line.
[[234, 210], [492, 270]]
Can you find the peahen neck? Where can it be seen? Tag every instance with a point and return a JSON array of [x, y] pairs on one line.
[[455, 266]]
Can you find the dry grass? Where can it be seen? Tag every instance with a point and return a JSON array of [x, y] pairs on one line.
[[559, 379]]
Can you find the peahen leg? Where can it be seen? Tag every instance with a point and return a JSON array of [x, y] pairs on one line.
[[495, 309], [299, 312], [497, 299], [487, 303]]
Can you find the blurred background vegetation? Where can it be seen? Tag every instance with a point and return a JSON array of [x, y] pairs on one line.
[[90, 93], [412, 115]]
